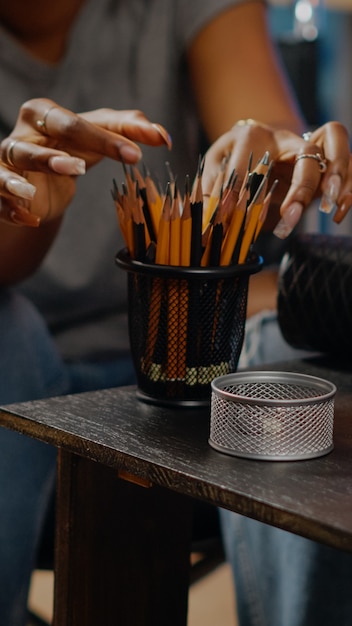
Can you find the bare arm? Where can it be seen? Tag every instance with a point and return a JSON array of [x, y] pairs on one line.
[[236, 75]]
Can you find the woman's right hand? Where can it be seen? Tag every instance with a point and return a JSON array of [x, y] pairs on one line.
[[50, 146]]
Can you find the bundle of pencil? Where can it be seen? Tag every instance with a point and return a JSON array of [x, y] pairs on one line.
[[189, 229]]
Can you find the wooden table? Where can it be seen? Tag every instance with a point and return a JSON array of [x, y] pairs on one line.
[[122, 547]]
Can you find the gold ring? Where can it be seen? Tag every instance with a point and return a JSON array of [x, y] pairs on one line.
[[41, 124], [9, 153], [317, 157], [247, 122]]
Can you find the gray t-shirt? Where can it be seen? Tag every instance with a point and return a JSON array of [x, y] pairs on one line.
[[124, 55]]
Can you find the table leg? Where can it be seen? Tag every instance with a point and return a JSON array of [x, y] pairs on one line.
[[122, 550]]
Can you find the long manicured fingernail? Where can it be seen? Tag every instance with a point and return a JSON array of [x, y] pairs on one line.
[[71, 166], [288, 221], [22, 217], [164, 135], [342, 211], [129, 154], [20, 188], [331, 193]]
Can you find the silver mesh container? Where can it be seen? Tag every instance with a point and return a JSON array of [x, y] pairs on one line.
[[274, 416]]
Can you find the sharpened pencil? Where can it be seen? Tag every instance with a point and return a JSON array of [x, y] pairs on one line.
[[197, 218], [155, 200], [232, 239], [252, 217], [265, 208], [175, 229], [211, 203], [162, 254], [186, 228], [258, 174]]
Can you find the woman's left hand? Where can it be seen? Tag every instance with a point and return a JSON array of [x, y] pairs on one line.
[[318, 165]]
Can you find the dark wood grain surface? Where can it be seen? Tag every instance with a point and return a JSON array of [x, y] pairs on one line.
[[170, 448], [122, 550]]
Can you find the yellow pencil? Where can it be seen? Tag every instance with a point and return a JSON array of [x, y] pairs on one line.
[[212, 201], [253, 213], [229, 201], [129, 181], [175, 230], [155, 199], [219, 216], [162, 253], [127, 209], [140, 183], [257, 176], [173, 287], [140, 232], [186, 228], [264, 211], [231, 239]]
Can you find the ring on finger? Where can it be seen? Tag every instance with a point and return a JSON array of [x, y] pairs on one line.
[[9, 153], [248, 122], [41, 124], [322, 162], [307, 135]]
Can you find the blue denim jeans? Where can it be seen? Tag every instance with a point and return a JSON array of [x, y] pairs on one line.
[[30, 369], [282, 579]]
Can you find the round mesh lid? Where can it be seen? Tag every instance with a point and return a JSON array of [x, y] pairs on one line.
[[272, 415], [273, 388]]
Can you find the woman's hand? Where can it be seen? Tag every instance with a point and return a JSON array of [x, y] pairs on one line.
[[50, 146], [318, 165]]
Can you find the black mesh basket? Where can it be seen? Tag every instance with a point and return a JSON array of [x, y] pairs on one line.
[[315, 294], [186, 327]]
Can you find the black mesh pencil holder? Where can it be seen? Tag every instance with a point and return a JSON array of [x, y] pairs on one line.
[[315, 294], [186, 327]]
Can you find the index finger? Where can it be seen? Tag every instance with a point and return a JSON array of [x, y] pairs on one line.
[[75, 134], [103, 132], [132, 124]]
